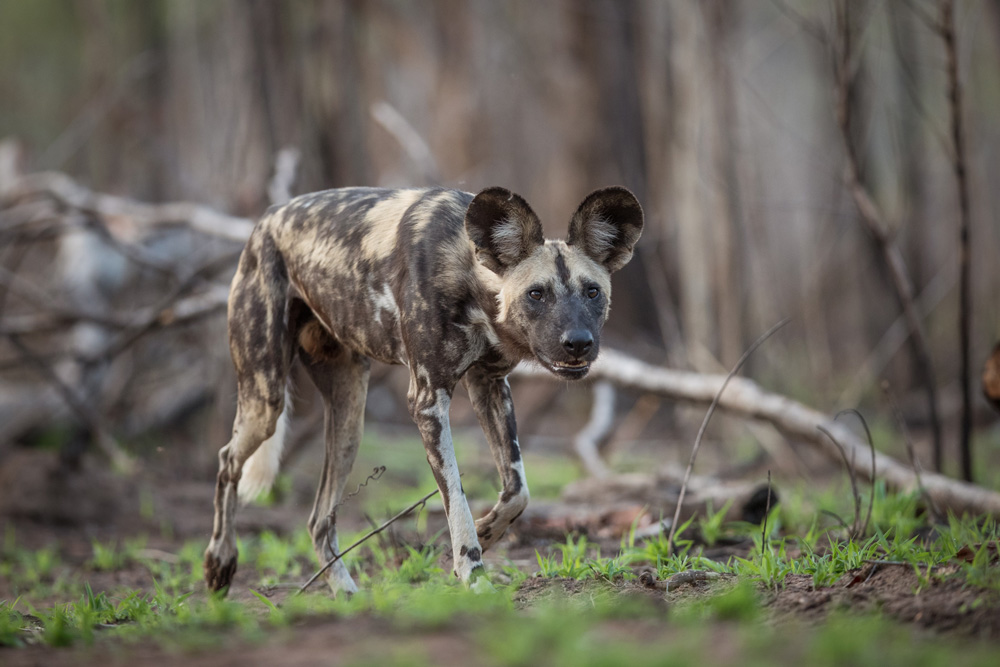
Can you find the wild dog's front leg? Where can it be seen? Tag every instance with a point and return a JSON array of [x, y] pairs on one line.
[[495, 410], [429, 408]]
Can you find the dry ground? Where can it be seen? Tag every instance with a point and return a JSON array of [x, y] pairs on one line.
[[43, 505]]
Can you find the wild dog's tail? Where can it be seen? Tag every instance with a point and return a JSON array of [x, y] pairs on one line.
[[262, 467]]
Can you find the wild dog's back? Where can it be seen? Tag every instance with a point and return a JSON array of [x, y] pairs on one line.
[[355, 255]]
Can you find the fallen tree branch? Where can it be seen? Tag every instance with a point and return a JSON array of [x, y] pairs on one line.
[[166, 311], [851, 466], [797, 421], [87, 314], [182, 311], [71, 194], [589, 440]]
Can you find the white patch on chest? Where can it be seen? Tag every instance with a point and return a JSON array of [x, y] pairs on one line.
[[479, 334]]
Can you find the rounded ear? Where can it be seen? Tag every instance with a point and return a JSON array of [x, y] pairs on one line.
[[503, 228], [607, 226]]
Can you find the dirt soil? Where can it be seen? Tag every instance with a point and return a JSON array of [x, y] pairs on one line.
[[944, 605], [46, 506]]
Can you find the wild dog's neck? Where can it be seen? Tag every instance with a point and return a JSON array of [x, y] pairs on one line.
[[512, 345]]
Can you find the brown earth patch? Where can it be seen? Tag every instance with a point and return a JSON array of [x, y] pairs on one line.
[[942, 603]]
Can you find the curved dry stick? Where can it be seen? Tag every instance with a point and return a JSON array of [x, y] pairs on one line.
[[871, 447], [854, 483], [704, 424], [364, 538], [914, 463], [767, 511]]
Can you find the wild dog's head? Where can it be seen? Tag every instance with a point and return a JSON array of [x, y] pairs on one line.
[[555, 295]]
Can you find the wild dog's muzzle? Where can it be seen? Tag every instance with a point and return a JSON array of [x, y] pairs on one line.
[[577, 342], [578, 349]]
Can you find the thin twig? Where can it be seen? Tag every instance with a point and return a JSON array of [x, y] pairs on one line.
[[375, 475], [364, 538], [910, 451], [933, 24], [134, 253], [871, 448], [704, 424], [854, 483], [812, 28], [182, 311], [767, 511], [840, 520]]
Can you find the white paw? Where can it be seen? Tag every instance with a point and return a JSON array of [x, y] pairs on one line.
[[482, 585], [341, 581]]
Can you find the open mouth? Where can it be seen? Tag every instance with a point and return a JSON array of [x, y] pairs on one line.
[[567, 369]]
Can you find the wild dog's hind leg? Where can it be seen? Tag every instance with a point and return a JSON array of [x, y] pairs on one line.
[[255, 423], [493, 406], [261, 350], [342, 378]]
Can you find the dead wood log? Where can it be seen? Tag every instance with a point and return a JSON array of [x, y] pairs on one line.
[[660, 490], [797, 421], [616, 505], [589, 441], [71, 194]]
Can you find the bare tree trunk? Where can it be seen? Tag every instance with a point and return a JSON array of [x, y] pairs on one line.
[[693, 243], [720, 18], [877, 226], [964, 288], [616, 147]]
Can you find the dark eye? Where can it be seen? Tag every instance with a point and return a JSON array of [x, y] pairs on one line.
[[535, 294], [593, 292]]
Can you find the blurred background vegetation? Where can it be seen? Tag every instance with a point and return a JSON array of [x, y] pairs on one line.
[[720, 116]]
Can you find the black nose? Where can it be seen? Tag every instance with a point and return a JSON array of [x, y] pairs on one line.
[[577, 342]]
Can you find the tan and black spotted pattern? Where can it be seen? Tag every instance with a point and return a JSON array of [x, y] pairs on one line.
[[452, 285]]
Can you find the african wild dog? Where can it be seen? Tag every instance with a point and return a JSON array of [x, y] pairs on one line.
[[451, 285]]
